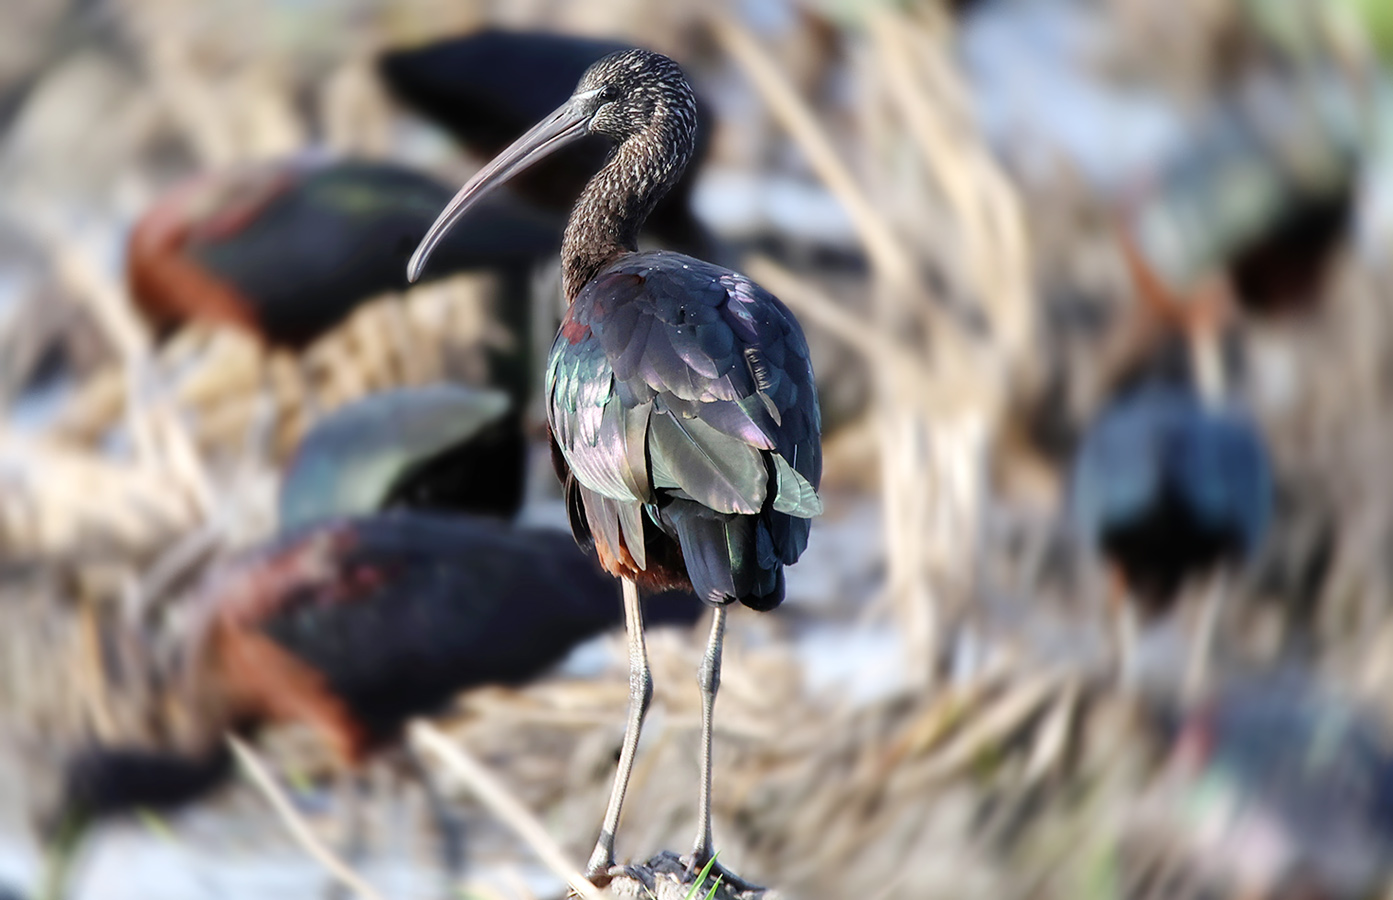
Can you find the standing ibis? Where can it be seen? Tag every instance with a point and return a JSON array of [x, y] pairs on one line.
[[680, 396], [288, 250], [1276, 790], [1172, 479], [352, 627], [442, 447], [488, 87]]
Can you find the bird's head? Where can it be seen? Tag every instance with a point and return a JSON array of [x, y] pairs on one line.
[[628, 95]]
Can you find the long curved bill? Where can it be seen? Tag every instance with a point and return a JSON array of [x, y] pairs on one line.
[[565, 126]]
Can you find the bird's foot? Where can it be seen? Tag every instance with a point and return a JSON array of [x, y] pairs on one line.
[[601, 869], [601, 877], [699, 863]]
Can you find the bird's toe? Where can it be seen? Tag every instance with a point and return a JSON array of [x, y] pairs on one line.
[[697, 863]]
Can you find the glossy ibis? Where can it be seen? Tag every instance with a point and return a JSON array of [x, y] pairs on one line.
[[442, 447], [352, 627], [287, 250], [680, 396], [1278, 790], [1172, 479], [1264, 190], [488, 87]]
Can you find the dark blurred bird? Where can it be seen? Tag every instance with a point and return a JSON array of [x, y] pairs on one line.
[[1276, 790], [1171, 480], [488, 87], [351, 627], [442, 447], [1264, 191], [680, 396], [287, 250]]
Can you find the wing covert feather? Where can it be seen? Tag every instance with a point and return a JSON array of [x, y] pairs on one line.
[[674, 375]]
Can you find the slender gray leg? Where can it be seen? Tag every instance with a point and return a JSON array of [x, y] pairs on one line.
[[1198, 668], [448, 829], [349, 788], [709, 679], [1124, 627], [313, 403], [640, 695]]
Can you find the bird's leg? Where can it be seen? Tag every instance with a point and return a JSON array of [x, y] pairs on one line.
[[311, 403], [447, 826], [1197, 670], [1124, 627], [349, 787], [709, 680], [640, 695]]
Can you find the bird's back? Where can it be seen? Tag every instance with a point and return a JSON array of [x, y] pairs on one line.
[[343, 233], [490, 86], [1168, 486], [681, 398], [396, 614]]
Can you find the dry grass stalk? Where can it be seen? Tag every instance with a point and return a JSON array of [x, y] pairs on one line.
[[67, 498], [884, 248], [933, 439], [982, 202], [301, 832], [504, 804], [894, 269], [103, 298]]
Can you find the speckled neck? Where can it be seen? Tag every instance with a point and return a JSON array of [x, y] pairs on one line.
[[607, 218]]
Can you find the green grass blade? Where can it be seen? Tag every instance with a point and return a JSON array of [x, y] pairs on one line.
[[156, 824], [701, 879]]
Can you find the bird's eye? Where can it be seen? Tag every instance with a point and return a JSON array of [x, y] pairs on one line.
[[608, 93]]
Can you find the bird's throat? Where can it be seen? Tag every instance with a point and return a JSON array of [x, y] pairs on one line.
[[612, 209]]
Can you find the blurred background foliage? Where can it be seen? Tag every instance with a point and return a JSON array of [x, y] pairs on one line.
[[941, 191]]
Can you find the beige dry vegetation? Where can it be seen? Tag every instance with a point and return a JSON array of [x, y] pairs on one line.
[[1000, 764]]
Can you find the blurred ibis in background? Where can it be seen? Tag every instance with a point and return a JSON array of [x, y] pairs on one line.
[[1263, 190], [1172, 479], [287, 250], [352, 627], [441, 447], [1274, 790], [488, 87], [680, 396]]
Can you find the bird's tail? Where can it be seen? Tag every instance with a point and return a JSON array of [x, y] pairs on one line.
[[105, 781], [728, 557]]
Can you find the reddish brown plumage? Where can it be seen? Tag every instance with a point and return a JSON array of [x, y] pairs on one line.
[[1204, 308], [244, 677], [351, 627], [169, 287], [357, 625], [666, 570], [289, 249], [1164, 321]]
